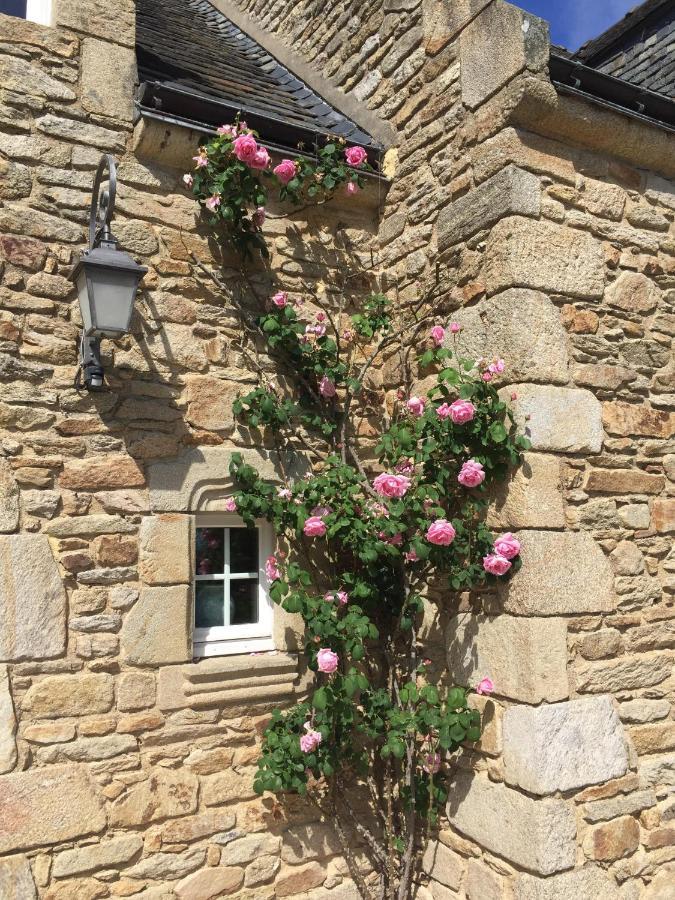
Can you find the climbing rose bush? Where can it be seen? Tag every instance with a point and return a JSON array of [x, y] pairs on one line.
[[233, 177], [363, 548]]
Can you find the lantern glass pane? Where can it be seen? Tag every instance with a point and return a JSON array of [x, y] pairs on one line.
[[83, 295], [112, 293]]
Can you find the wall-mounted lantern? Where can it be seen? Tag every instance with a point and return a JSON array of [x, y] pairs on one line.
[[107, 279]]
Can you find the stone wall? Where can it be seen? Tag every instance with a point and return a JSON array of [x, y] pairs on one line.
[[553, 254]]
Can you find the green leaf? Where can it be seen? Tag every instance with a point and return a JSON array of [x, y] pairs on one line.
[[320, 699]]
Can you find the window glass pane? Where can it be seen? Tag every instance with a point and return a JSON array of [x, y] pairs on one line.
[[210, 554], [243, 550], [244, 601], [209, 604], [13, 8]]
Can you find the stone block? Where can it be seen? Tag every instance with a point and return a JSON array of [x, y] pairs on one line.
[[16, 879], [192, 828], [89, 749], [113, 470], [531, 498], [313, 841], [210, 402], [164, 795], [525, 658], [32, 600], [199, 480], [39, 224], [48, 806], [623, 481], [563, 573], [9, 498], [512, 192], [524, 328], [88, 526], [7, 724], [69, 695], [108, 75], [299, 879], [621, 805], [444, 865], [483, 883], [20, 75], [638, 419], [590, 882], [442, 21], [209, 883], [546, 257], [158, 628], [613, 840], [564, 420], [81, 132], [135, 690], [633, 292], [538, 835], [498, 44], [229, 786], [168, 865], [245, 849], [663, 515], [116, 24], [165, 546], [106, 854], [634, 673], [563, 746]]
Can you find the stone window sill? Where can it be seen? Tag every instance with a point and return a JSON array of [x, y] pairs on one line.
[[247, 680]]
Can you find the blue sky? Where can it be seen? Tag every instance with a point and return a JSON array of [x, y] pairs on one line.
[[573, 22]]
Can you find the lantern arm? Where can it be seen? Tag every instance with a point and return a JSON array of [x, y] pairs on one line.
[[102, 203]]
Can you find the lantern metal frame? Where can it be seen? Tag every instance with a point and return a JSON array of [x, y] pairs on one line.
[[105, 256]]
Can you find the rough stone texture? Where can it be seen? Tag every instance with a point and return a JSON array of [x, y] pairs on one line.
[[538, 835], [442, 22], [512, 192], [563, 746], [562, 420], [483, 883], [544, 256], [443, 864], [108, 71], [526, 658], [210, 402], [48, 806], [209, 883], [589, 882], [32, 599], [9, 499], [103, 855], [101, 473], [165, 555], [633, 292], [69, 695], [95, 19], [145, 638], [524, 328], [510, 39], [580, 581], [16, 879], [135, 690], [164, 795], [612, 840], [531, 498], [7, 724]]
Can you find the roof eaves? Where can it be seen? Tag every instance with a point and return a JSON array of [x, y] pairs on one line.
[[634, 18]]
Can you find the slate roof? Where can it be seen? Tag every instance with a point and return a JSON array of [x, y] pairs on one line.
[[639, 49], [195, 64]]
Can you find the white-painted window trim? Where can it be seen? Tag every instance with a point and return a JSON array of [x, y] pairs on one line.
[[39, 11], [224, 640]]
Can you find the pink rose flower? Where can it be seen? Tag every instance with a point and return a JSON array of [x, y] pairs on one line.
[[315, 527], [245, 148], [351, 188], [311, 740], [342, 597], [496, 564], [432, 763], [327, 387], [507, 546], [455, 327], [285, 171], [497, 367], [486, 376], [280, 299], [188, 180], [471, 474], [462, 411], [261, 160], [411, 556], [229, 130], [394, 486], [355, 156], [485, 686], [327, 661], [416, 405], [443, 411], [243, 126], [271, 569], [284, 493], [441, 533], [258, 217], [230, 505], [201, 159], [213, 203], [437, 334]]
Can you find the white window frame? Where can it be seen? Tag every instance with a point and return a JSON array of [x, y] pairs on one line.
[[223, 640], [39, 11]]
